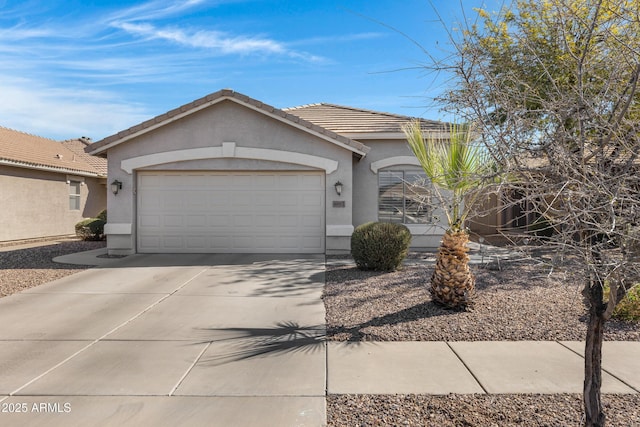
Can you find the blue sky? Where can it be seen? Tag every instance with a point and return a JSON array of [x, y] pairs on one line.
[[73, 68]]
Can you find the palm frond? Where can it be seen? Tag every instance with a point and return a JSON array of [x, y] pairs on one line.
[[455, 164]]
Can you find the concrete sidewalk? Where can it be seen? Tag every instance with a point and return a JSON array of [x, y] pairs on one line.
[[502, 367]]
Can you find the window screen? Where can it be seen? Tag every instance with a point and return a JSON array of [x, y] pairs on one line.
[[404, 197], [74, 195]]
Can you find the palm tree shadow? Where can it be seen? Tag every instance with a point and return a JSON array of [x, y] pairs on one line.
[[247, 343], [357, 332]]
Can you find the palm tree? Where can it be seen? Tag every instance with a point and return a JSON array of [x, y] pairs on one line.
[[457, 166]]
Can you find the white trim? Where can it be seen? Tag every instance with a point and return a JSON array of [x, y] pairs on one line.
[[229, 150], [339, 230], [393, 161], [117, 228], [75, 178]]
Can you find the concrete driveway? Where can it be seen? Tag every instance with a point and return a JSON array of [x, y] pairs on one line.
[[165, 340]]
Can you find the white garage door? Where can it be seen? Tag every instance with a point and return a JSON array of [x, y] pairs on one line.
[[231, 212]]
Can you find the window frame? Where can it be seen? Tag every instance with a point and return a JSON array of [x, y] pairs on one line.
[[422, 218], [75, 194]]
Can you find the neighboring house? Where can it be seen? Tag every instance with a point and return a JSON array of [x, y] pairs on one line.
[[228, 173], [46, 187]]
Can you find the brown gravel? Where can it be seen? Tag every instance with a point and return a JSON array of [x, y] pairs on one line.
[[524, 410], [25, 268], [522, 301]]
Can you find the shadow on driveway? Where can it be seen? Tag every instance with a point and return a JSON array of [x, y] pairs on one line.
[[284, 337]]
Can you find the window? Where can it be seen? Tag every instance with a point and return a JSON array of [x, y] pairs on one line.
[[74, 195], [404, 197]]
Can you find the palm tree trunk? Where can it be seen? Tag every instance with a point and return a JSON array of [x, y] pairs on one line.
[[452, 283]]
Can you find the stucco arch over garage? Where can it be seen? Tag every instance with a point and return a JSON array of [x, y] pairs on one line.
[[226, 151]]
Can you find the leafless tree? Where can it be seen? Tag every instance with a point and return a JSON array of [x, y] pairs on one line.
[[553, 88]]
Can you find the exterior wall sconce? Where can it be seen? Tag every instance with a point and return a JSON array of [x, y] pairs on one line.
[[116, 186], [338, 186]]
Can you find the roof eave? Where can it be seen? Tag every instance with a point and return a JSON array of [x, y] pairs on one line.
[[387, 135], [101, 147], [46, 168]]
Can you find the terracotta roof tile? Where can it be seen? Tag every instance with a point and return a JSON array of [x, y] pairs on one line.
[[26, 150], [78, 146], [356, 121]]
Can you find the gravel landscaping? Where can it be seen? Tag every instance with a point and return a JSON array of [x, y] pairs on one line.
[[523, 300], [523, 410], [25, 268]]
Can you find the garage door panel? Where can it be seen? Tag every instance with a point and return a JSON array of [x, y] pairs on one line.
[[265, 220], [172, 221], [196, 221], [195, 242], [312, 221], [219, 220], [287, 221], [242, 221], [231, 212], [149, 220]]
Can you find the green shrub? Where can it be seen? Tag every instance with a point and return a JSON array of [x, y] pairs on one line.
[[380, 245], [91, 229], [629, 307], [102, 215]]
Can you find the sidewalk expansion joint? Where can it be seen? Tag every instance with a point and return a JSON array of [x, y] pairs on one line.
[[467, 368], [195, 362], [603, 369]]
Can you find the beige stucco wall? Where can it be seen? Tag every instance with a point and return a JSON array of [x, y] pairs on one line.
[[36, 203], [225, 122]]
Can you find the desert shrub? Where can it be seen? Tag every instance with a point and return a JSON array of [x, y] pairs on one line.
[[90, 229], [380, 245], [102, 215], [629, 307]]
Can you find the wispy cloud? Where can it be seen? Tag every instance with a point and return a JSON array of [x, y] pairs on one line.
[[156, 9], [338, 38], [219, 41], [62, 113], [138, 21]]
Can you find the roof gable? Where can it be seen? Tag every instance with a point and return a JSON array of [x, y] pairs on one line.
[[105, 144], [21, 149], [360, 123]]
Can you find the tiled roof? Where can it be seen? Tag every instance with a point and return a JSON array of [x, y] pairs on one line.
[[25, 150], [225, 94], [78, 146], [357, 122]]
